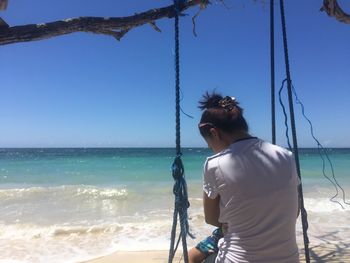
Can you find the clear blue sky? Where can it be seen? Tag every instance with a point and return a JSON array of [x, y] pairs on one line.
[[90, 90]]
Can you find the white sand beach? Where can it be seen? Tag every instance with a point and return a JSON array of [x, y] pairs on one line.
[[337, 253], [331, 251]]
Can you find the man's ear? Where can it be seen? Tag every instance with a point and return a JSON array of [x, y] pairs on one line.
[[214, 133]]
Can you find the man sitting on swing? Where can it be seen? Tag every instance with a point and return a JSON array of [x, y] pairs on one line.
[[250, 191]]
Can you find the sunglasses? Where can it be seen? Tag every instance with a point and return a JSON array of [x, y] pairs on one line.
[[205, 124]]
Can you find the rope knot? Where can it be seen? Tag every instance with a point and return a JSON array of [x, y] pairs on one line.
[[177, 168], [177, 5]]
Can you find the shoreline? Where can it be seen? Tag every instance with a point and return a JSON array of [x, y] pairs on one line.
[[148, 256], [337, 252]]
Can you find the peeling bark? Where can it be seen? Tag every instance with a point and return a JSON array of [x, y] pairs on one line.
[[116, 27], [333, 9], [3, 4]]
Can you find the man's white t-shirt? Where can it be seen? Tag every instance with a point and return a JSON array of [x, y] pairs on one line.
[[257, 184]]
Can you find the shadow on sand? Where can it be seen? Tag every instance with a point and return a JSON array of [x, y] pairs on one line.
[[329, 249]]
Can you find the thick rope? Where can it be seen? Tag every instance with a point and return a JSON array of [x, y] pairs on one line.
[[272, 54], [180, 186], [295, 143], [177, 82]]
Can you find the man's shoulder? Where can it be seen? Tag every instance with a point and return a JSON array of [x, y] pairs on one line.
[[219, 155], [275, 148]]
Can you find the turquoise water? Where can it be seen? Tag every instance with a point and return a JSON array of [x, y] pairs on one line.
[[94, 166], [66, 205], [104, 166]]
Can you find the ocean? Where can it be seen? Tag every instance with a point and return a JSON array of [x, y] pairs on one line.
[[73, 204]]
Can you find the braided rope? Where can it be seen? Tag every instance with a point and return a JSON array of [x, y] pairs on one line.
[[177, 85], [180, 186], [272, 59], [293, 128]]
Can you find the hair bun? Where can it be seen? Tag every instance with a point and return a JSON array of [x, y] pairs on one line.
[[228, 103]]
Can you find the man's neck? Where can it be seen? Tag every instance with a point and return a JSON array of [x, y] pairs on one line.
[[228, 139]]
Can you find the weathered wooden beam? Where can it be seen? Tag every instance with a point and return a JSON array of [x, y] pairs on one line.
[[112, 26], [333, 9]]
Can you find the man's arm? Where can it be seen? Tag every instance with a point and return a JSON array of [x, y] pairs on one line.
[[211, 210], [299, 202]]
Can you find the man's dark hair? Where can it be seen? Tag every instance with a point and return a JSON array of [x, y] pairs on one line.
[[221, 112]]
